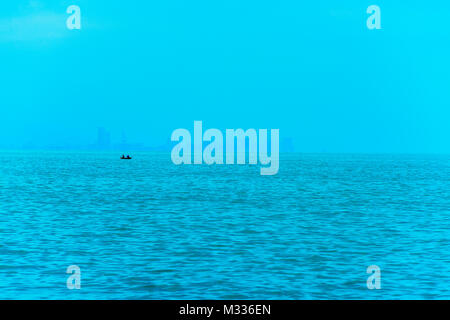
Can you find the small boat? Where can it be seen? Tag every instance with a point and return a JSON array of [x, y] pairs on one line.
[[126, 158]]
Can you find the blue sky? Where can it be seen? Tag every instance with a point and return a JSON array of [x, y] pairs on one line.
[[311, 69]]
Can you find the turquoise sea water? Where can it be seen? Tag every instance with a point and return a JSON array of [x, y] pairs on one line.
[[147, 229]]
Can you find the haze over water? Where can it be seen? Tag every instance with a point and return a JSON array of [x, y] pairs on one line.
[[145, 228]]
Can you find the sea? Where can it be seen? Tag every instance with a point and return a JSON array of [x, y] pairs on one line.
[[148, 229]]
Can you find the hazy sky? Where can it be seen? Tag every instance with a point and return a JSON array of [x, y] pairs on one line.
[[310, 68]]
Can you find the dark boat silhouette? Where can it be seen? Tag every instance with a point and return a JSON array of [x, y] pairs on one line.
[[126, 158]]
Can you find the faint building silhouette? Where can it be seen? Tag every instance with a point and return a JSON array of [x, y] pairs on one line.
[[287, 145], [103, 139]]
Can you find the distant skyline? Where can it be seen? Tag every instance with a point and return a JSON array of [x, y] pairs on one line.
[[104, 141], [313, 70]]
